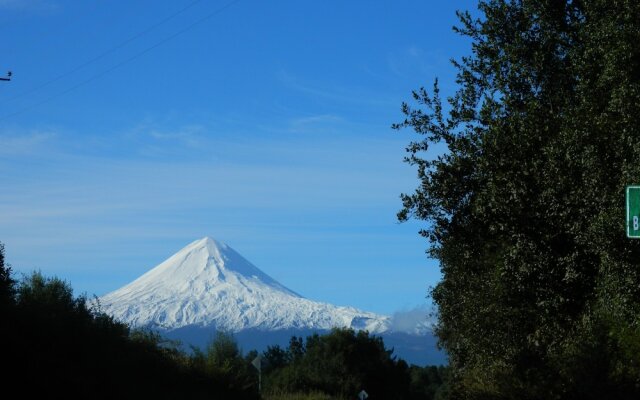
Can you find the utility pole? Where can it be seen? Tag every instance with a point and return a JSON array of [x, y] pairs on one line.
[[8, 78]]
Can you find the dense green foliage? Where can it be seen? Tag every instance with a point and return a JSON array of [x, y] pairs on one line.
[[224, 362], [6, 284], [344, 362], [54, 345], [540, 297]]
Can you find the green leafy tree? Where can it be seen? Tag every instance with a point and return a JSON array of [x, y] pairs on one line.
[[7, 284], [56, 345], [296, 349], [341, 363], [428, 383], [225, 362], [61, 347], [223, 352], [540, 295], [7, 301], [274, 357]]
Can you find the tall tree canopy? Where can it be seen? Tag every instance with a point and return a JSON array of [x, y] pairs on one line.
[[540, 296], [56, 346], [6, 282], [343, 363]]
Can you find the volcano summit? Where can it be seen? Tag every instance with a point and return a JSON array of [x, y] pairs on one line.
[[208, 284]]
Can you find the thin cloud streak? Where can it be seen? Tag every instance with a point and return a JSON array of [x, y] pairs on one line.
[[280, 176], [25, 144], [332, 92]]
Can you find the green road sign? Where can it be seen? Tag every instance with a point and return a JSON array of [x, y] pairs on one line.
[[633, 212]]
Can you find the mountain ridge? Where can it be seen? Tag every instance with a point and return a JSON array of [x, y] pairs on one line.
[[209, 284]]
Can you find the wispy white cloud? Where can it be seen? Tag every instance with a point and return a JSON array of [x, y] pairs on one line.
[[414, 61], [14, 144], [189, 135], [315, 123], [273, 188], [155, 138], [308, 173], [417, 320], [333, 91]]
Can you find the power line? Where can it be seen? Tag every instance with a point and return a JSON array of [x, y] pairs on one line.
[[126, 61], [104, 54]]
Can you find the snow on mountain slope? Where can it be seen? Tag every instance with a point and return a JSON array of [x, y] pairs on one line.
[[209, 284]]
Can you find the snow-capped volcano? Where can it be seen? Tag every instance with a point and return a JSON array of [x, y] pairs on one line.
[[208, 284]]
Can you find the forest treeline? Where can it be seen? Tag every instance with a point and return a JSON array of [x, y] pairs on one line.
[[55, 345]]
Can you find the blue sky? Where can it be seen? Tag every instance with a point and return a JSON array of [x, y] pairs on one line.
[[131, 128]]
